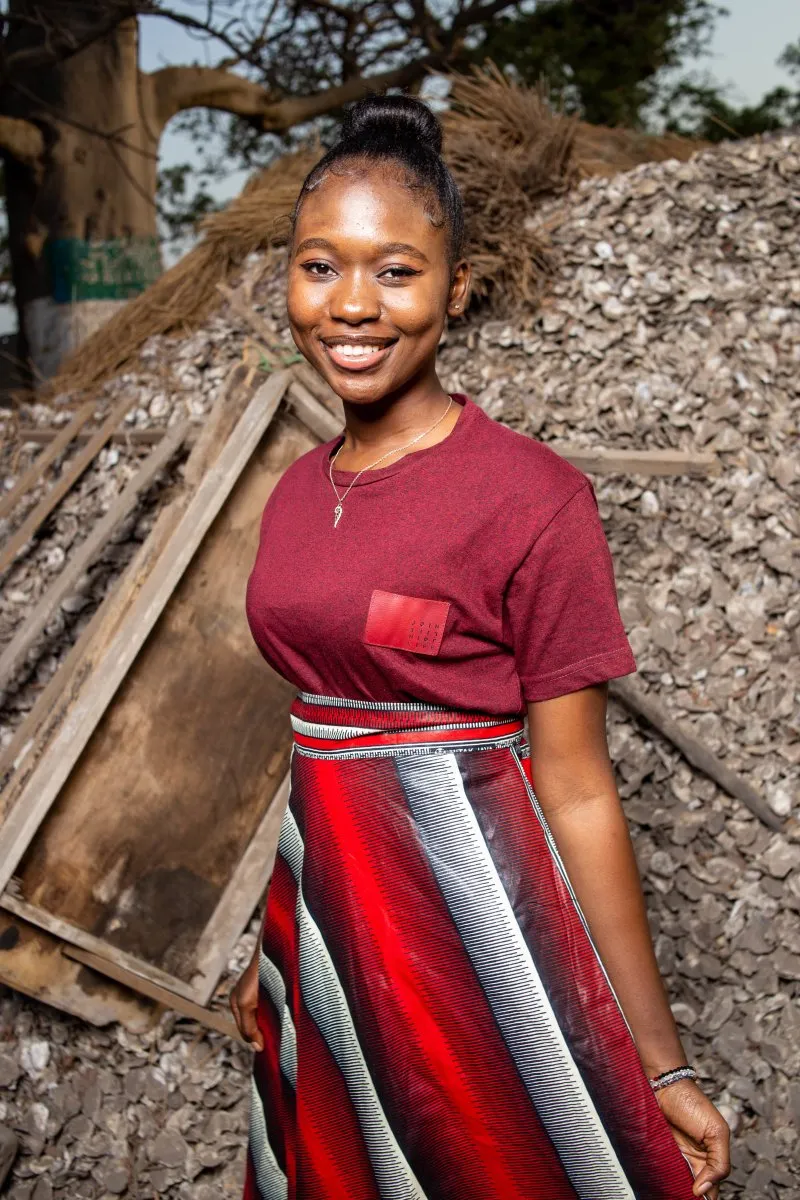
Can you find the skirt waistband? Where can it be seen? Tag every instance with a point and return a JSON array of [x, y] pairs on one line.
[[334, 726]]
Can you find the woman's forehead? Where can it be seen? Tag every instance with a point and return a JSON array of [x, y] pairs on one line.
[[368, 204]]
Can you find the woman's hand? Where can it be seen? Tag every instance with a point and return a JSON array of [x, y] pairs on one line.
[[701, 1132], [244, 1003]]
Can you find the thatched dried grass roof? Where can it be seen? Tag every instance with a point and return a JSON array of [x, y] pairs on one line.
[[508, 150]]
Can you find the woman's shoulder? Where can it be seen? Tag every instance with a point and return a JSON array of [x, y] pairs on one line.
[[524, 465]]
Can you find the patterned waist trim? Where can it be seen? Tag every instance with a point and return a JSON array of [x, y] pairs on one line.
[[337, 727]]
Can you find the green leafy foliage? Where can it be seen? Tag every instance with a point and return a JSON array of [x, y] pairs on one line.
[[603, 58], [183, 200]]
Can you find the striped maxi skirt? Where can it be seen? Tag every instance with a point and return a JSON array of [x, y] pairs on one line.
[[437, 1022]]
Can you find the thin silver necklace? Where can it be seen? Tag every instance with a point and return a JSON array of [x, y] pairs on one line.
[[338, 509]]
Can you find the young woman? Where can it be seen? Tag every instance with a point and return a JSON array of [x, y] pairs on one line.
[[455, 995]]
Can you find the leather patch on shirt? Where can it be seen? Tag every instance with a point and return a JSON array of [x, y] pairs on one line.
[[405, 622]]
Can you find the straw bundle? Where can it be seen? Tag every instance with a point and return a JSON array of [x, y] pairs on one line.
[[602, 151], [507, 149]]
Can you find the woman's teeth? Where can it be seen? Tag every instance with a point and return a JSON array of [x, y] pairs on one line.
[[358, 356], [360, 351]]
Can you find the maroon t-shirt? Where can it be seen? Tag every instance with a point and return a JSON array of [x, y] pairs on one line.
[[474, 573]]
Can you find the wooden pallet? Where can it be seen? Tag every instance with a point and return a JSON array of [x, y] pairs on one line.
[[144, 792]]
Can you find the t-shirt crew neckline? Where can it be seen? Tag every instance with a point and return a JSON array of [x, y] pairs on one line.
[[469, 409]]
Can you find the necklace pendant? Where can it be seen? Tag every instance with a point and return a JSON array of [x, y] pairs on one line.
[[338, 512]]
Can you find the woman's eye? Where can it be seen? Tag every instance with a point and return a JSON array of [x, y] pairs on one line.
[[398, 273], [321, 269]]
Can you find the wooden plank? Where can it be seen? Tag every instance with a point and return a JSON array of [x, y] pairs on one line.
[[18, 759], [31, 961], [313, 381], [68, 478], [63, 752], [212, 1019], [173, 786], [593, 459], [640, 462], [122, 437], [313, 413], [654, 712], [87, 552], [57, 442], [270, 347], [240, 387], [241, 897], [74, 936]]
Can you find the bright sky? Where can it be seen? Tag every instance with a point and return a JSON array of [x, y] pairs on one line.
[[748, 42], [746, 46]]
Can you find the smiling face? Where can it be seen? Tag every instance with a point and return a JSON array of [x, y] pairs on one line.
[[370, 284]]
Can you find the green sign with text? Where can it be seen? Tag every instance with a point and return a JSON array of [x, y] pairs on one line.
[[114, 270]]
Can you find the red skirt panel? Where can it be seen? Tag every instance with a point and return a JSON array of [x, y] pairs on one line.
[[437, 1021]]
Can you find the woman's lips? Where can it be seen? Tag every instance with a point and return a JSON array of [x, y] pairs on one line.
[[357, 356]]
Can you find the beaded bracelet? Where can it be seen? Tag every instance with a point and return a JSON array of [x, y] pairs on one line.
[[667, 1077]]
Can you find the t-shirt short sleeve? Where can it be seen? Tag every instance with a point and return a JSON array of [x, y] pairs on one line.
[[561, 606]]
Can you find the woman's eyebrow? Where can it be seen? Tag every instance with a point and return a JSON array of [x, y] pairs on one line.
[[403, 248], [319, 243], [314, 243]]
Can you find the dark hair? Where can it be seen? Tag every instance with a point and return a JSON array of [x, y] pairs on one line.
[[403, 130]]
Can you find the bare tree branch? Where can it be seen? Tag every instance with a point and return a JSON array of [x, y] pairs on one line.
[[181, 88], [296, 111], [478, 14], [242, 49]]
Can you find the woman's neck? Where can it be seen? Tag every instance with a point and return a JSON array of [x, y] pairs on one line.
[[389, 424]]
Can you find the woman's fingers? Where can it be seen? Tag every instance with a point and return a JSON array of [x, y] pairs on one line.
[[244, 1005], [716, 1143], [246, 1019], [702, 1135], [249, 1026]]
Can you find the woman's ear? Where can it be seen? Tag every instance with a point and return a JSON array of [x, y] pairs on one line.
[[458, 299]]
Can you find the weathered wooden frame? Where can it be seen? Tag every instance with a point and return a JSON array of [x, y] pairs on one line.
[[62, 753], [88, 551], [56, 760], [66, 480]]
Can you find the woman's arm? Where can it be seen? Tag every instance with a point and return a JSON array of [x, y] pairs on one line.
[[574, 783]]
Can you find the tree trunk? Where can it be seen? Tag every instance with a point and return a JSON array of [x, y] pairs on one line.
[[82, 220], [80, 137]]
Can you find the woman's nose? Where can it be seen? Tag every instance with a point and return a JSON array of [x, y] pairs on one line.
[[355, 299]]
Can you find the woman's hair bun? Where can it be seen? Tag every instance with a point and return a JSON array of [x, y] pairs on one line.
[[398, 130], [392, 120]]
